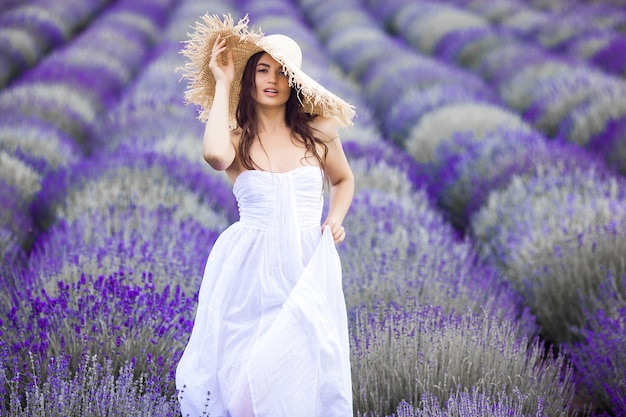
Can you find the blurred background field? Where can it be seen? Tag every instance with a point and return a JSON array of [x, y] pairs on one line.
[[485, 260]]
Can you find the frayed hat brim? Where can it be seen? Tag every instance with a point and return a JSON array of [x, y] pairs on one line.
[[245, 42]]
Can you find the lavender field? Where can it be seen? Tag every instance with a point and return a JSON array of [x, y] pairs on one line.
[[485, 258]]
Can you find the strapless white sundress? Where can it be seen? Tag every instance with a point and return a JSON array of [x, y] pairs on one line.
[[270, 337]]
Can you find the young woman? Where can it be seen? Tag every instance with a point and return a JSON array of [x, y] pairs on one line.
[[270, 335]]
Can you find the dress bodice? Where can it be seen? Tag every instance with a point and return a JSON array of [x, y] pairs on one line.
[[268, 200]]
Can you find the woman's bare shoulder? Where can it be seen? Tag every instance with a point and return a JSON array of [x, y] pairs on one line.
[[328, 128]]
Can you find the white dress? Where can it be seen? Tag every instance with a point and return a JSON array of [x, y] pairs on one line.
[[270, 338]]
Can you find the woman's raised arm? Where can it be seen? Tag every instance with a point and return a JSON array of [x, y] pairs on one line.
[[217, 148]]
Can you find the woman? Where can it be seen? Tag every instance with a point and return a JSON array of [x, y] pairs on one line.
[[270, 335]]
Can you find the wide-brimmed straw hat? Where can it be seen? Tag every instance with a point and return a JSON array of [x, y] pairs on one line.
[[245, 42]]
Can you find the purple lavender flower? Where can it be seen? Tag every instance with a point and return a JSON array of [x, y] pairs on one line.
[[599, 358], [609, 56], [466, 404], [610, 144]]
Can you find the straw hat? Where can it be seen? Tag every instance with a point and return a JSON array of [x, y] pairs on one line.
[[244, 43]]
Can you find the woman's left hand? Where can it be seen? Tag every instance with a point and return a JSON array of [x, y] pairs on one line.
[[337, 230]]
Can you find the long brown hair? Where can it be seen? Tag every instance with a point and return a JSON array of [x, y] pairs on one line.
[[295, 118]]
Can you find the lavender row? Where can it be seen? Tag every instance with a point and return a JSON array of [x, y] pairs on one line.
[[117, 273], [601, 376], [74, 85], [95, 389], [29, 31], [56, 105], [594, 33], [554, 199], [563, 97], [53, 344], [436, 111], [404, 265], [141, 251], [413, 257], [559, 238]]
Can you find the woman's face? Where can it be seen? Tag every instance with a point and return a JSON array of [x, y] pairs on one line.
[[272, 85]]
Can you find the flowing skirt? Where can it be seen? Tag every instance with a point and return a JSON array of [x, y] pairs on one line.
[[271, 333]]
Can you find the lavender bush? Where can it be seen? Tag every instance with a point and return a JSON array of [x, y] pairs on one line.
[[10, 246], [413, 254], [441, 124], [470, 404], [72, 111], [603, 49], [113, 315], [599, 358], [493, 10], [30, 30], [72, 86], [18, 185], [39, 144], [558, 202], [400, 353], [95, 389], [139, 240], [426, 22], [574, 279], [24, 179], [467, 47], [399, 117], [556, 90], [525, 226], [466, 168], [384, 166], [127, 179]]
